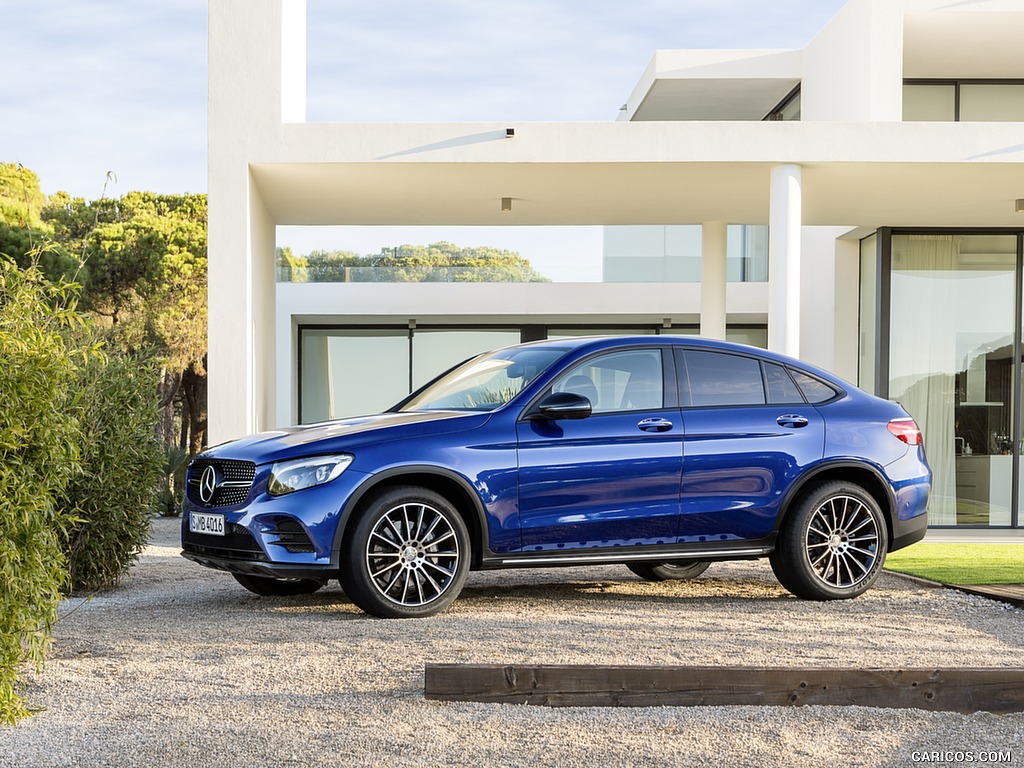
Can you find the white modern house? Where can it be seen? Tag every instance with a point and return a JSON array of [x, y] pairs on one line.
[[858, 203]]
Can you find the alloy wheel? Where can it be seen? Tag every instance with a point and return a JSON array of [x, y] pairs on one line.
[[842, 541], [412, 554]]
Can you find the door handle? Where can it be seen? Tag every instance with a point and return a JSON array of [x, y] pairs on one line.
[[655, 425], [793, 421]]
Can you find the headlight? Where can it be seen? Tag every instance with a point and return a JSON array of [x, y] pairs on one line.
[[290, 476]]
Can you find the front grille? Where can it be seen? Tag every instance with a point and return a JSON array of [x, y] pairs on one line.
[[236, 544], [233, 478], [292, 536]]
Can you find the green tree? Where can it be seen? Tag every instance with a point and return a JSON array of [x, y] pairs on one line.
[[144, 270], [24, 236], [291, 268], [21, 199], [444, 261], [437, 262], [332, 266]]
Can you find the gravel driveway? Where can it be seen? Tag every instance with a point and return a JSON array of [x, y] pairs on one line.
[[182, 667]]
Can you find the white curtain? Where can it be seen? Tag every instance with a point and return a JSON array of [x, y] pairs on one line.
[[923, 355]]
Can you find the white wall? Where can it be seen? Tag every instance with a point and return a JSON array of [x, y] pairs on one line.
[[829, 296], [853, 69]]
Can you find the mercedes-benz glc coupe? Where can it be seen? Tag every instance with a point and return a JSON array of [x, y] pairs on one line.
[[662, 453]]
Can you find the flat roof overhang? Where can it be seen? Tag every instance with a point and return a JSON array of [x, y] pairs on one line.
[[713, 84], [954, 41], [954, 174]]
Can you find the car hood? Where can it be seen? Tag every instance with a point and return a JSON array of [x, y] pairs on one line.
[[343, 435]]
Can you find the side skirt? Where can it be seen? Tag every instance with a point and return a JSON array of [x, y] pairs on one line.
[[751, 550]]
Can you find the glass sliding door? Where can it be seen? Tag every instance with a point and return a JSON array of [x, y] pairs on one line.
[[351, 372], [951, 365], [435, 351]]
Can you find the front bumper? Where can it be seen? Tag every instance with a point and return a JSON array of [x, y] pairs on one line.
[[291, 536], [261, 568]]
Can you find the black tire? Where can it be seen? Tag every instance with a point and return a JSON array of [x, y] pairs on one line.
[[407, 555], [833, 543], [669, 570], [269, 587]]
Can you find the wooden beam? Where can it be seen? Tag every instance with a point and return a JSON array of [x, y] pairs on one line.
[[558, 685]]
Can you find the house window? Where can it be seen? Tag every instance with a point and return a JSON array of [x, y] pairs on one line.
[[672, 253], [358, 370], [345, 372], [963, 101], [788, 108]]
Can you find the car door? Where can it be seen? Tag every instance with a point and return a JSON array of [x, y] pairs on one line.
[[748, 434], [611, 479]]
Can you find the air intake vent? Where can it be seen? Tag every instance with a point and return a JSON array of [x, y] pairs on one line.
[[237, 544], [292, 536]]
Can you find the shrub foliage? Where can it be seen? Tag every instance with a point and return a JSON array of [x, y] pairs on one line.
[[80, 463], [38, 457], [110, 501]]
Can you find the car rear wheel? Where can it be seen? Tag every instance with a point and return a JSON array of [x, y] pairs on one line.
[[407, 556], [268, 587], [833, 543], [669, 570]]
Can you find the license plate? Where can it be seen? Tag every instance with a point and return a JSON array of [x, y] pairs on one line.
[[211, 525]]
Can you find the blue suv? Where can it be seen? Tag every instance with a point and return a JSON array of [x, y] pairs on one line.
[[661, 453]]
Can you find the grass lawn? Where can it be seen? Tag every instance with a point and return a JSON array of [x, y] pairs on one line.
[[961, 563]]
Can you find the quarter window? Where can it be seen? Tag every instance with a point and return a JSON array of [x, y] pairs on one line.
[[619, 381], [814, 389]]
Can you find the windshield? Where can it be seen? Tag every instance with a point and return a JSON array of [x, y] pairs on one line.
[[485, 382]]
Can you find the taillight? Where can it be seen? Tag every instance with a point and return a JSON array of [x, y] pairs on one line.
[[905, 430]]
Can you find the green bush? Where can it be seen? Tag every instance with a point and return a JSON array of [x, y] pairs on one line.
[[38, 457], [111, 501]]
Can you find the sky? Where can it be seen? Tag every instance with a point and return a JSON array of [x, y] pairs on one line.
[[92, 87]]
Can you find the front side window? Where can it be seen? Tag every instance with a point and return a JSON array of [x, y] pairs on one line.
[[485, 382], [618, 381]]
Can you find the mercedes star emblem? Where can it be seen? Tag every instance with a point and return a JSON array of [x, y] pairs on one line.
[[208, 484]]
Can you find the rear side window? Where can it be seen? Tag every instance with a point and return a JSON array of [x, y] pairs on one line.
[[781, 389], [717, 378], [814, 389]]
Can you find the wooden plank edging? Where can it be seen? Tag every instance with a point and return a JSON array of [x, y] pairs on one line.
[[958, 689]]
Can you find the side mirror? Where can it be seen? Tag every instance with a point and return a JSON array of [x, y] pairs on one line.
[[564, 405]]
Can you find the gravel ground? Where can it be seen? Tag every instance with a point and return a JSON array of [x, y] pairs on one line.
[[181, 666]]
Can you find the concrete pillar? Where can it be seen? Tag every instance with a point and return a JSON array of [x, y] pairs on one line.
[[712, 279], [784, 230], [256, 73]]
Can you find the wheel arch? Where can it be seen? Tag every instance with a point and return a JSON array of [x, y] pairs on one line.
[[869, 477], [451, 485]]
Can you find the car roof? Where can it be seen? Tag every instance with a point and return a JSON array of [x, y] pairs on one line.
[[583, 344]]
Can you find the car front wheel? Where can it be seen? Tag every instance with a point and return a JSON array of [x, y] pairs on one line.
[[833, 543], [407, 556], [669, 570]]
